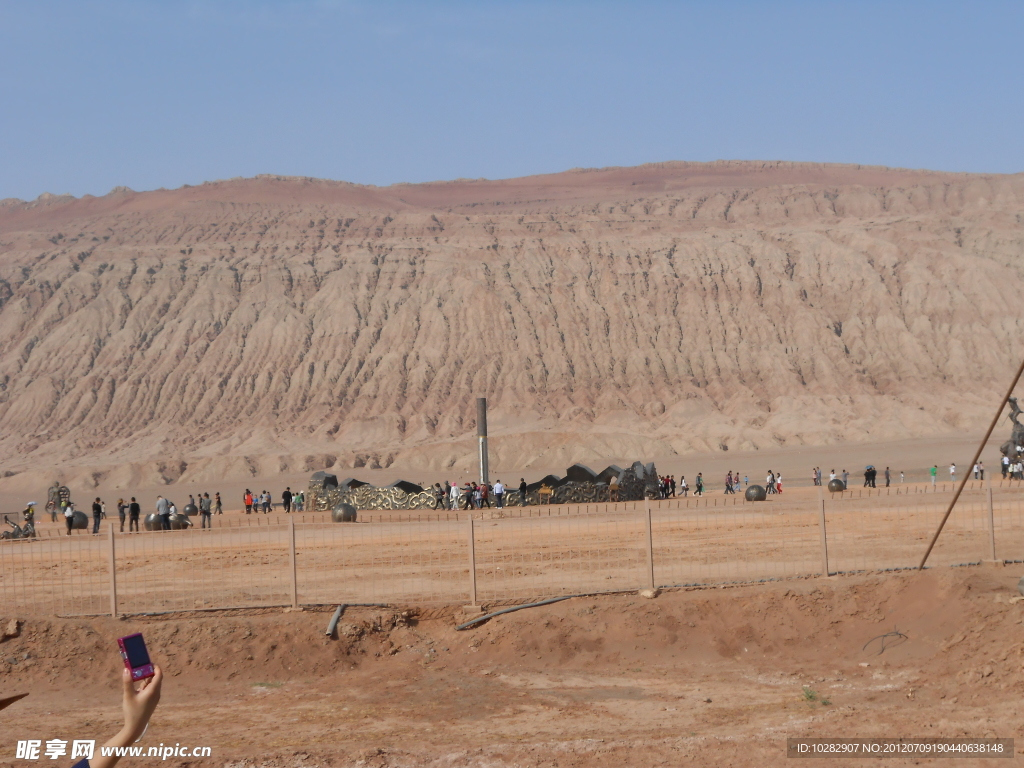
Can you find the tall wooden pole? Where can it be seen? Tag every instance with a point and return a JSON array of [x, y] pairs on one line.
[[967, 472]]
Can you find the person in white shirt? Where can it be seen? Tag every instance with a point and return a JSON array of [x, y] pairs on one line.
[[499, 494], [454, 495], [952, 472]]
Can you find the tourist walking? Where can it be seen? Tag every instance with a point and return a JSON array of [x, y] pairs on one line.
[[134, 511], [205, 509], [684, 489], [217, 506], [981, 469], [286, 500], [698, 489]]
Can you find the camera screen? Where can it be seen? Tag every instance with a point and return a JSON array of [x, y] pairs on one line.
[[135, 646]]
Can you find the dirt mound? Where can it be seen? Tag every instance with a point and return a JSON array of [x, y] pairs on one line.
[[703, 677]]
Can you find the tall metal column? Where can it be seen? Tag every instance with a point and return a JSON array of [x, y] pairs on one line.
[[481, 434]]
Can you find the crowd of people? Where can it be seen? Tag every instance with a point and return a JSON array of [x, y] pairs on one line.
[[473, 495], [264, 502]]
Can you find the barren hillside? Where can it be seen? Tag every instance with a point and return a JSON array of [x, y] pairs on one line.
[[279, 324]]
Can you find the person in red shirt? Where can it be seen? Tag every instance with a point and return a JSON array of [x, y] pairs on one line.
[[248, 501]]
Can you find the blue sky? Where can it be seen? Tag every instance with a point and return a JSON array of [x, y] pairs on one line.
[[100, 93]]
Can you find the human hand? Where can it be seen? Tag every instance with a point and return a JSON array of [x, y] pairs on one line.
[[138, 705]]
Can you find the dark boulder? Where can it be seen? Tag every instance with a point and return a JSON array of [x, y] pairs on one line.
[[755, 493], [343, 513]]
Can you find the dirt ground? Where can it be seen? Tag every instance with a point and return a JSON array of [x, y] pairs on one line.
[[700, 677]]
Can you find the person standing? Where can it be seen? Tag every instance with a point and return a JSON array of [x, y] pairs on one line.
[[934, 471], [97, 513], [69, 516], [134, 510], [778, 483], [122, 508], [728, 483], [247, 500], [217, 506], [831, 475], [981, 469], [499, 494], [952, 472], [846, 479], [286, 499], [975, 471], [769, 482], [672, 485], [205, 508], [163, 509], [522, 492], [698, 485], [888, 477], [902, 476]]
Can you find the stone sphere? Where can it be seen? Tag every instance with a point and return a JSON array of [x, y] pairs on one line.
[[190, 510], [343, 513], [755, 493], [152, 522], [80, 521], [836, 486], [180, 522]]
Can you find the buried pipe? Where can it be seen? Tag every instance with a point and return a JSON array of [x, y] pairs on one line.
[[341, 609]]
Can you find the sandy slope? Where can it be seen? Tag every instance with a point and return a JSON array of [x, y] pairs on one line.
[[705, 678], [253, 327]]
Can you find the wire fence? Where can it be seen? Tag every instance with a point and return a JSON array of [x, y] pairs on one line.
[[504, 555]]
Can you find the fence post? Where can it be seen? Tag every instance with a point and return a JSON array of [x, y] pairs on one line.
[[291, 548], [991, 525], [472, 563], [824, 537], [113, 574], [650, 544]]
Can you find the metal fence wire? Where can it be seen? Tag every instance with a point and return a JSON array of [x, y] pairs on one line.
[[513, 554]]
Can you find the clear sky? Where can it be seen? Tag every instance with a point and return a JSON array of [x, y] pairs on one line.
[[100, 93]]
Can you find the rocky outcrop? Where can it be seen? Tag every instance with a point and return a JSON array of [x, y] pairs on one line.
[[272, 324]]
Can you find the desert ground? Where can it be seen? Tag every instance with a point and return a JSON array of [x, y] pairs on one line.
[[695, 677], [708, 317]]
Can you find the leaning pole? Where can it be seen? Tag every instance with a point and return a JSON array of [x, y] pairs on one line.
[[481, 435], [967, 469]]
